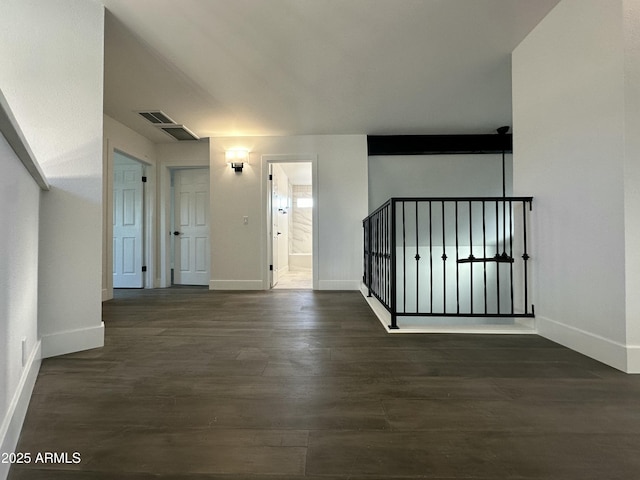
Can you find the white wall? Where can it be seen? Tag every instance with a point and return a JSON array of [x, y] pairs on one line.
[[569, 153], [631, 11], [53, 54], [239, 253], [19, 213], [120, 138], [444, 176], [436, 176]]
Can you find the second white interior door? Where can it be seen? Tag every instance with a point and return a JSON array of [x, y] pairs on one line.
[[127, 222], [280, 206], [191, 227]]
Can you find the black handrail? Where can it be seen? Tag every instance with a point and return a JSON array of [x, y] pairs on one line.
[[405, 227]]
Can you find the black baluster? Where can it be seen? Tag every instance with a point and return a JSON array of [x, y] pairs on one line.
[[404, 261], [497, 257], [484, 252], [444, 265], [457, 264], [430, 260], [471, 257], [511, 252], [417, 263], [525, 255], [394, 310]]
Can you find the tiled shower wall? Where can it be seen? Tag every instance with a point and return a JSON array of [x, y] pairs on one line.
[[300, 229]]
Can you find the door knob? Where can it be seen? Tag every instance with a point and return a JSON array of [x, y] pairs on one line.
[[176, 233]]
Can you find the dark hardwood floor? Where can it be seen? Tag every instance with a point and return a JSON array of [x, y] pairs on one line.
[[201, 385]]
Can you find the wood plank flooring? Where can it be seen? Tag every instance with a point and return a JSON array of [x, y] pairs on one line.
[[293, 385]]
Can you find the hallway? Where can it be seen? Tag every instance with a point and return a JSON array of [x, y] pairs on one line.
[[195, 384]]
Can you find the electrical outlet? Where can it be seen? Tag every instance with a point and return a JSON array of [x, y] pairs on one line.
[[245, 220]]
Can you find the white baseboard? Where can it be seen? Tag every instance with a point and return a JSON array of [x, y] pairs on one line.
[[595, 346], [431, 325], [633, 359], [107, 294], [259, 285], [236, 285], [72, 341], [339, 285], [11, 425], [378, 309]]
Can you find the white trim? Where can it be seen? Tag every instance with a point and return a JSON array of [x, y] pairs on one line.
[[163, 187], [633, 359], [12, 423], [289, 158], [235, 285], [105, 294], [71, 341], [266, 159], [520, 326], [595, 346], [382, 313], [339, 285], [148, 209], [148, 214], [609, 352], [15, 138], [170, 254], [512, 329], [107, 221]]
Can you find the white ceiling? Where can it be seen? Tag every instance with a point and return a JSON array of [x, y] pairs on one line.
[[298, 173], [292, 67]]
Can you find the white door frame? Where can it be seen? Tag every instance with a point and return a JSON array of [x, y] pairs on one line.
[[164, 209], [149, 222], [192, 277], [266, 204], [136, 278], [272, 250]]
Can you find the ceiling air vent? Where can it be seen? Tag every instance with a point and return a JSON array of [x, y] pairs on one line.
[[163, 122], [157, 117], [179, 132]]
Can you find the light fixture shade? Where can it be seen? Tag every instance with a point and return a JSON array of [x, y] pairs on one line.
[[237, 157]]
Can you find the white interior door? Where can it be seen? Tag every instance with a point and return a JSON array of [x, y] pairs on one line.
[[283, 227], [273, 222], [127, 223], [191, 227]]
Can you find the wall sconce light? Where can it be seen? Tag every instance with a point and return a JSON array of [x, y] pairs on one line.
[[237, 157]]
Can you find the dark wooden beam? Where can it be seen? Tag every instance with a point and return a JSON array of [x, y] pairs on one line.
[[438, 144]]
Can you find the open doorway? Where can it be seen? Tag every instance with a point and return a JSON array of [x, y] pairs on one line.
[[128, 222], [189, 244], [291, 225]]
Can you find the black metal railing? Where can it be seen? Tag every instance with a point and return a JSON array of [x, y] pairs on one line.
[[461, 257]]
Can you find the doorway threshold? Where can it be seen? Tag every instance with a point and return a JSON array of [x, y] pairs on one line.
[[295, 280]]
